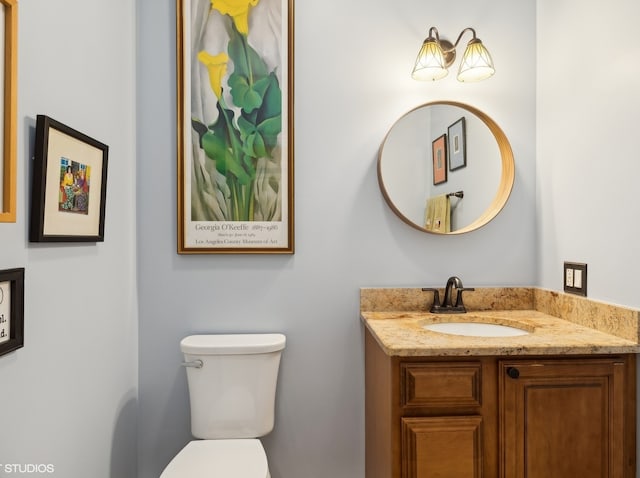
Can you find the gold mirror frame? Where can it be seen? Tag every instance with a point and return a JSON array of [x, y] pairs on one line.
[[9, 166], [506, 179]]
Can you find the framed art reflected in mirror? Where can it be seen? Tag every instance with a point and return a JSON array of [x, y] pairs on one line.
[[439, 158], [480, 167], [457, 145]]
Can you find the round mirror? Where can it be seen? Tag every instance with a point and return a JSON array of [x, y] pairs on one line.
[[446, 168]]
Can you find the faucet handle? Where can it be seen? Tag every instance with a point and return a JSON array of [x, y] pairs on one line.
[[459, 296], [436, 298]]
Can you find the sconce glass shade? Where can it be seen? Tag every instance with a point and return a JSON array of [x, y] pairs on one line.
[[430, 64], [476, 63]]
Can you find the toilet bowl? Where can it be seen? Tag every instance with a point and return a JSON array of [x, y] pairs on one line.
[[232, 386], [243, 458]]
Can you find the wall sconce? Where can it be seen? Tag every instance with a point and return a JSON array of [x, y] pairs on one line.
[[436, 56]]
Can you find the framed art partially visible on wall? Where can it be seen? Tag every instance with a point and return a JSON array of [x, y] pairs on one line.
[[457, 145], [9, 75], [235, 126], [439, 158], [69, 185], [11, 310]]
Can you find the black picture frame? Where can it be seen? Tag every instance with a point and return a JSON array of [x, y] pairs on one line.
[[457, 135], [69, 189], [11, 310]]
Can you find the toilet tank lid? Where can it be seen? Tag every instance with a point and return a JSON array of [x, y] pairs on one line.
[[232, 344]]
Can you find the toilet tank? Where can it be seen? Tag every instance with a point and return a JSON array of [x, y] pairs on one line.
[[233, 394]]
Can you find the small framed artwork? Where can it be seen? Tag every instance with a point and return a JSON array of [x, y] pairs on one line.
[[8, 107], [11, 310], [235, 126], [69, 185], [439, 154], [457, 145]]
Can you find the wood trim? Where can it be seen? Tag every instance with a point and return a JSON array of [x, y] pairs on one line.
[[380, 442], [630, 416], [9, 184]]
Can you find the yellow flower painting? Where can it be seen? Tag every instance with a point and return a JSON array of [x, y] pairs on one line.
[[217, 67], [235, 159], [236, 9]]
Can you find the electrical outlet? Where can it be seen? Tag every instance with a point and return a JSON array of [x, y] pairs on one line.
[[568, 277], [575, 278]]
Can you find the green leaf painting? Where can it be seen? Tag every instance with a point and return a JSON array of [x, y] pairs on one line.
[[240, 145]]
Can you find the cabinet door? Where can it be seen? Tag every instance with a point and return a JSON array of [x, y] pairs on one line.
[[562, 419], [442, 447]]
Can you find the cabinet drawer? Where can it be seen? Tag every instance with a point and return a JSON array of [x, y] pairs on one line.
[[441, 385], [439, 447]]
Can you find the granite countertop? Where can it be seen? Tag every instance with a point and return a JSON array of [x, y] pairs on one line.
[[605, 329]]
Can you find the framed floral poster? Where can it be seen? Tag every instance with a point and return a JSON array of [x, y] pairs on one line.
[[235, 126]]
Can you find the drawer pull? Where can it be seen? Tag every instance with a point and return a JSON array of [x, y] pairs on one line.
[[513, 372]]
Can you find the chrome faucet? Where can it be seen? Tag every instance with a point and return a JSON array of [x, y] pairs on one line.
[[447, 306]]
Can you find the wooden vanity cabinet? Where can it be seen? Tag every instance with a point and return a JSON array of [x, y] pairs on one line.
[[507, 417], [567, 417]]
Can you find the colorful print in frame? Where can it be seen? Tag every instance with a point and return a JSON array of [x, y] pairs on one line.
[[69, 184], [235, 126]]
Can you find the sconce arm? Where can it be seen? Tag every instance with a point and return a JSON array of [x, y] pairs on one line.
[[433, 32], [473, 32]]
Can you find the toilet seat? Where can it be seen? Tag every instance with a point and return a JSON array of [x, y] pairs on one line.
[[241, 458]]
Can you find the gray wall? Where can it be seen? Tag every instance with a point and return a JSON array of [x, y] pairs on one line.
[[352, 81], [588, 168], [68, 398]]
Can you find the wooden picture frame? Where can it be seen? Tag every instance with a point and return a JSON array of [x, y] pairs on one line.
[[69, 189], [11, 310], [235, 127], [457, 135], [439, 159], [8, 166]]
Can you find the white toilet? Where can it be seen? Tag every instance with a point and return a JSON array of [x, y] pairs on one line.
[[232, 388]]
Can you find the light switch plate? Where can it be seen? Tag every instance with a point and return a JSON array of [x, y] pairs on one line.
[[575, 278]]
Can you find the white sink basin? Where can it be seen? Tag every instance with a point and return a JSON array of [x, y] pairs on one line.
[[476, 329]]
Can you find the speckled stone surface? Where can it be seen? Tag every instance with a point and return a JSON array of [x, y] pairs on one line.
[[613, 319], [557, 323], [413, 300]]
